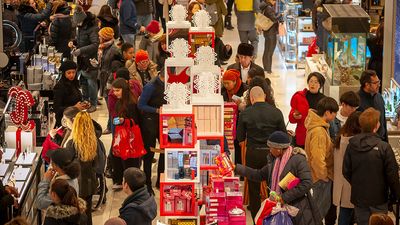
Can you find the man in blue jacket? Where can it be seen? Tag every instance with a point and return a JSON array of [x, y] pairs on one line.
[[128, 21]]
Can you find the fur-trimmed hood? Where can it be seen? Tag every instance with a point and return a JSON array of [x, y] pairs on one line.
[[63, 212], [300, 151]]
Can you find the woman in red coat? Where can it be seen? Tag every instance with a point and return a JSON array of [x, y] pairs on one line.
[[302, 101]]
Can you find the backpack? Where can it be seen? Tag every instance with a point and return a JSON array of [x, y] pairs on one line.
[[101, 153], [213, 12]]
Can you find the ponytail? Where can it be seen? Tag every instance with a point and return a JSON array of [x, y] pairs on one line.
[[65, 193]]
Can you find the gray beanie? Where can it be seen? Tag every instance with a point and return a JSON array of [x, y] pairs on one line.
[[279, 139], [79, 15]]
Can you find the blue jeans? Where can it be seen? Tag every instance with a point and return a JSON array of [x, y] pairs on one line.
[[88, 82], [345, 216], [144, 20], [129, 38]]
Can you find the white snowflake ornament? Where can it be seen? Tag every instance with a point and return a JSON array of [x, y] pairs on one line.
[[207, 84], [177, 95], [205, 55], [201, 19], [178, 13], [179, 48]]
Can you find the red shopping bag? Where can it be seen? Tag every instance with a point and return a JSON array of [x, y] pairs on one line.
[[264, 211], [128, 142]]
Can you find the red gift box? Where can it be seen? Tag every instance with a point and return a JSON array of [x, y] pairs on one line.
[[231, 184]]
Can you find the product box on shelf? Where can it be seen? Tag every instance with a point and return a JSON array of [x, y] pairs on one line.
[[182, 165], [210, 148], [177, 130], [209, 120], [27, 139]]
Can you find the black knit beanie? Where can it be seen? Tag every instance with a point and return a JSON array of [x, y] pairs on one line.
[[245, 49], [67, 65], [123, 73], [278, 139]]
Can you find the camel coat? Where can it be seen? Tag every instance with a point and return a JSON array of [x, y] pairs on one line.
[[341, 187]]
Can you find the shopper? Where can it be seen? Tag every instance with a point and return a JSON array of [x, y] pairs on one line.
[[304, 100], [125, 111], [228, 17], [233, 86], [150, 102], [29, 18], [10, 11], [144, 12], [375, 46], [87, 44], [223, 51], [107, 19], [220, 11], [60, 28], [66, 91], [128, 52], [106, 54], [245, 54], [318, 147], [193, 7], [64, 167], [371, 169], [256, 123], [370, 97], [7, 194], [162, 11], [260, 82], [67, 208], [163, 53], [142, 69], [151, 40], [287, 160], [139, 207], [128, 21], [270, 36], [342, 188], [245, 12], [84, 144], [349, 102]]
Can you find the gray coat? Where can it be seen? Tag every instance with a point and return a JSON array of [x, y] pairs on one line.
[[246, 20], [298, 196], [109, 55], [88, 42]]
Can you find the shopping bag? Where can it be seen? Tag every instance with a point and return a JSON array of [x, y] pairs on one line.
[[280, 218], [282, 29], [262, 22], [265, 210], [128, 142]]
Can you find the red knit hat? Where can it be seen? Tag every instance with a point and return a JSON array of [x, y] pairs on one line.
[[141, 55], [153, 27], [232, 75]]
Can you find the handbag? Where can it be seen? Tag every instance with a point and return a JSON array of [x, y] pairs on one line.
[[262, 22], [128, 141], [265, 210]]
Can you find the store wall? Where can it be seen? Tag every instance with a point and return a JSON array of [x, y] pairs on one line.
[[391, 43], [396, 67]]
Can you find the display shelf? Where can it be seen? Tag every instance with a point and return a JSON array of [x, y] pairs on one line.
[[200, 37], [210, 148]]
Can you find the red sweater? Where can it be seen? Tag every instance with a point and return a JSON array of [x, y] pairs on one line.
[[299, 102]]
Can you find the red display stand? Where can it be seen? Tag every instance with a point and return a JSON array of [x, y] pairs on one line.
[[198, 38]]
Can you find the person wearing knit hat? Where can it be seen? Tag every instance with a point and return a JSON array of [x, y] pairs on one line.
[[150, 41], [106, 33], [233, 85], [142, 69], [79, 15], [245, 62]]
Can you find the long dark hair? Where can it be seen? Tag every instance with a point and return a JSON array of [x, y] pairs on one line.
[[379, 34], [73, 169], [105, 11], [127, 97], [261, 82], [350, 128], [65, 193]]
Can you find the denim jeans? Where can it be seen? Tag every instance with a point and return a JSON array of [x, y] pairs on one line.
[[345, 216], [129, 38], [88, 82], [144, 20]]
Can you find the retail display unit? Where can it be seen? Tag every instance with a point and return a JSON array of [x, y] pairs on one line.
[[201, 34]]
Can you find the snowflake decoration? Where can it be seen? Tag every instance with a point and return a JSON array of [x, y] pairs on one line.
[[177, 94], [179, 48], [206, 83], [205, 55], [201, 18], [178, 13]]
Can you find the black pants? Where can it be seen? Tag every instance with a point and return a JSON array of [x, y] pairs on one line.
[[150, 133], [159, 15], [256, 158], [119, 166], [88, 210], [331, 216], [269, 48], [229, 6]]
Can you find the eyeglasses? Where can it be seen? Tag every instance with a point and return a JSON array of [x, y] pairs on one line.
[[143, 62], [375, 82]]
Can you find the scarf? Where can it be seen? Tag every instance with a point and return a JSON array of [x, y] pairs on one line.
[[103, 46], [279, 165], [234, 90]]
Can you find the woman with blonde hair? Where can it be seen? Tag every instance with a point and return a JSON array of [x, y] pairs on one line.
[[84, 142]]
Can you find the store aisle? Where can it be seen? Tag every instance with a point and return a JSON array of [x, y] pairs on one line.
[[288, 82]]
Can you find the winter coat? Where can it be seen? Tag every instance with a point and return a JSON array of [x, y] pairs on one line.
[[134, 86], [6, 200], [66, 94], [88, 42], [43, 199], [144, 7], [109, 21], [236, 66], [221, 11], [150, 44], [245, 12], [29, 18], [66, 214], [242, 89], [299, 195], [371, 169], [61, 30], [318, 147], [109, 55], [341, 187], [299, 103], [10, 13], [140, 208], [375, 101], [131, 65], [269, 11], [128, 18]]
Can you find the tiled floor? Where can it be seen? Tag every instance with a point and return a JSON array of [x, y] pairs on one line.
[[289, 81]]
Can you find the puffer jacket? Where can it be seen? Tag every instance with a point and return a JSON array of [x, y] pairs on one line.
[[299, 196], [60, 30], [144, 7], [131, 65], [109, 55], [299, 103], [29, 18], [370, 167], [150, 44], [318, 147], [66, 214], [269, 11], [88, 42]]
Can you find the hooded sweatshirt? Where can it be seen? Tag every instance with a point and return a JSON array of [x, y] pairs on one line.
[[370, 167], [140, 208], [318, 147]]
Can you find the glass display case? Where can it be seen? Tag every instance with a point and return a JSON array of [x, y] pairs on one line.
[[346, 54], [291, 12]]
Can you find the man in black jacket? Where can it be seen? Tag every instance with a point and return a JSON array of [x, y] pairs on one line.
[[370, 167], [370, 97], [245, 53], [256, 123], [139, 208]]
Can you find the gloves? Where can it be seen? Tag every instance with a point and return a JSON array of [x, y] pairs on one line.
[[76, 52]]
